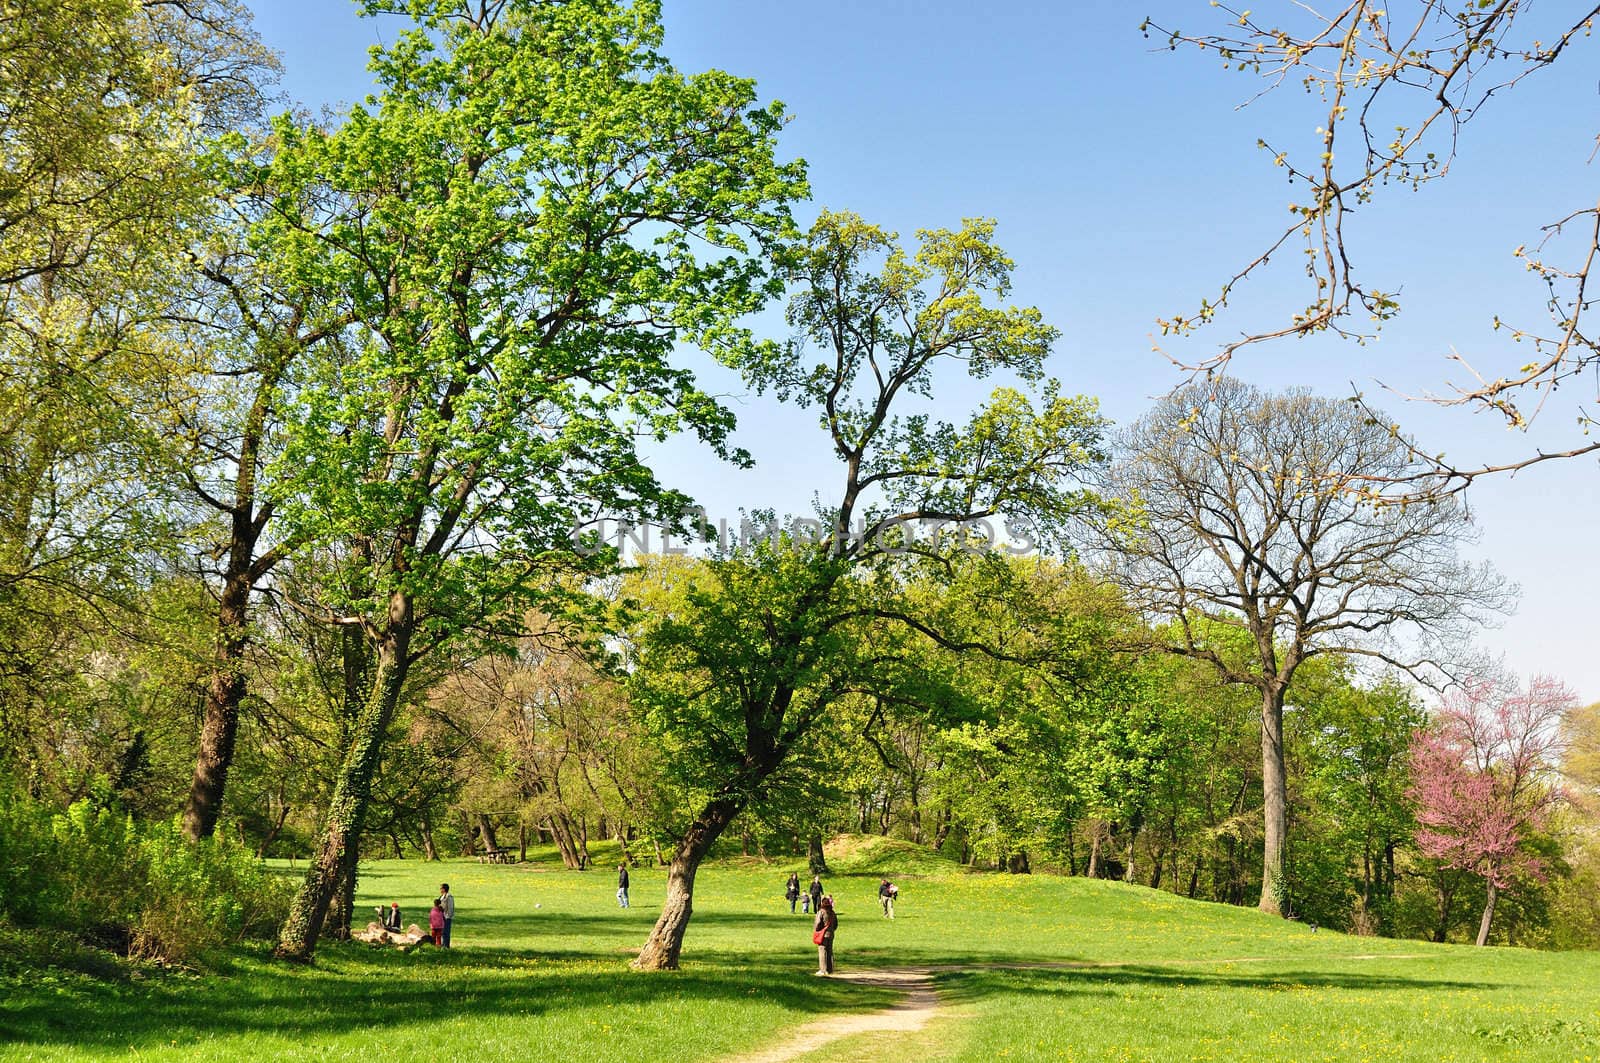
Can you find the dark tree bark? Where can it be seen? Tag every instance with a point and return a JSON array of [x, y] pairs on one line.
[[815, 860], [246, 516], [219, 727], [662, 949]]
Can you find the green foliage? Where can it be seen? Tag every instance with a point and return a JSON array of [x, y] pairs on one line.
[[91, 871]]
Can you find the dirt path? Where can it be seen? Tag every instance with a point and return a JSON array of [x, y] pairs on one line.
[[911, 1014], [921, 1002]]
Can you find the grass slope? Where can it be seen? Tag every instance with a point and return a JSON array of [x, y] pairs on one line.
[[540, 968]]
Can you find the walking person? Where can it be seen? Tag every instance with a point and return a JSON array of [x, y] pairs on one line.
[[622, 885], [438, 925], [822, 934], [446, 904], [887, 891], [816, 893], [791, 890]]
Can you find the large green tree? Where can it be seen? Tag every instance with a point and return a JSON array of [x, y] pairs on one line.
[[104, 108], [792, 624], [531, 214]]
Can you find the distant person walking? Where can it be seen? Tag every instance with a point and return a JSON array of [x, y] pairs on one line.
[[791, 890], [816, 893], [446, 904], [622, 885], [822, 930], [887, 892], [437, 923]]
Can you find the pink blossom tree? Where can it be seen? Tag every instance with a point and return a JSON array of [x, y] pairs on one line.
[[1483, 779]]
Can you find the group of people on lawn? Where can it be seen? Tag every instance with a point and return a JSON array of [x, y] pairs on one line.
[[826, 921], [440, 916], [811, 899]]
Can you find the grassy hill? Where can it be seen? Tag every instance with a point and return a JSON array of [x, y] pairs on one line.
[[540, 969]]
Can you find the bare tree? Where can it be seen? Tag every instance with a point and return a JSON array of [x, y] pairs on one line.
[[1244, 517], [1394, 87]]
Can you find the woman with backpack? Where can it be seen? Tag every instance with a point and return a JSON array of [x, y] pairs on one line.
[[822, 934]]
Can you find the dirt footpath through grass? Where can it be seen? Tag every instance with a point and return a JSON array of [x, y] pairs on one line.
[[921, 1002], [911, 1014]]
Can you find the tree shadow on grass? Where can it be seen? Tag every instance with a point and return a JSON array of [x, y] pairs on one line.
[[354, 988], [967, 986]]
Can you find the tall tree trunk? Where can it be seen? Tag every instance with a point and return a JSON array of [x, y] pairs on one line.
[[219, 727], [1155, 875], [662, 948], [1274, 793], [814, 857], [1194, 874], [348, 809], [1488, 912], [1094, 855]]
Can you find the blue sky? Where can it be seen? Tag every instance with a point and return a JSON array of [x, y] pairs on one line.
[[1127, 186]]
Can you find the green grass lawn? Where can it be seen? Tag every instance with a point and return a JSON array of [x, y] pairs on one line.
[[540, 970]]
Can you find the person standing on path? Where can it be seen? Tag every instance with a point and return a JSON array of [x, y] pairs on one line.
[[447, 904], [622, 885], [822, 933], [791, 890], [816, 893]]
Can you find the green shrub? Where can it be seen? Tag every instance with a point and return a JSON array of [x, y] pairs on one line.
[[201, 897], [146, 891]]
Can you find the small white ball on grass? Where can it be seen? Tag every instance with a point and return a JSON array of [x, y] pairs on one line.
[[538, 906]]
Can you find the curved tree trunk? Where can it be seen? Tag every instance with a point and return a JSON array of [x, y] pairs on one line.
[[662, 948], [1488, 913], [1274, 792], [348, 809]]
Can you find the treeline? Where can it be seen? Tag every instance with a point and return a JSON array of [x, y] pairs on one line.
[[307, 428]]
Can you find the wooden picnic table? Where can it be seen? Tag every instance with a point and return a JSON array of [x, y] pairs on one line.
[[497, 856]]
